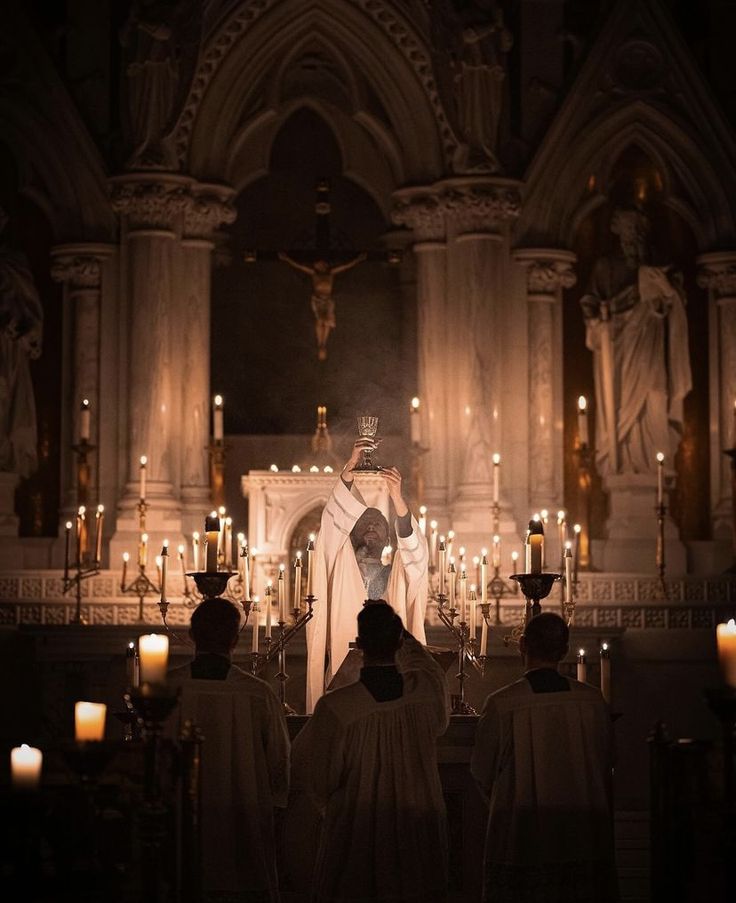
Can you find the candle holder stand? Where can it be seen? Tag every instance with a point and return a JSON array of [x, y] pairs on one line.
[[465, 651], [496, 517], [276, 647], [661, 510], [209, 585], [216, 450], [141, 584], [535, 587], [584, 560], [499, 589], [82, 571]]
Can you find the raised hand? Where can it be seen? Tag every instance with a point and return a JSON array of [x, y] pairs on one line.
[[392, 476]]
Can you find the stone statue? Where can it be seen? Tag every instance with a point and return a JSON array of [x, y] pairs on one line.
[[21, 324], [323, 307], [473, 41], [636, 327], [152, 71]]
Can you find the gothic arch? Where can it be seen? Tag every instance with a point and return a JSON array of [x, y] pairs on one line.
[[234, 110]]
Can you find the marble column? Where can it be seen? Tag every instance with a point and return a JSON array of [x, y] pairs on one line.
[[79, 267], [208, 209], [717, 273], [152, 208], [419, 209], [548, 272]]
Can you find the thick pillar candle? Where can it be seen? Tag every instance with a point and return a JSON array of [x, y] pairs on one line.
[[212, 533], [582, 667], [153, 656], [25, 767], [534, 546], [583, 436], [726, 640], [142, 473], [89, 721], [84, 421], [218, 429]]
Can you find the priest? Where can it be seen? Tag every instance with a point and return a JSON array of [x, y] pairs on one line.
[[349, 569]]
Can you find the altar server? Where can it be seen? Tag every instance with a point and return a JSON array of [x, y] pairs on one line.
[[543, 759], [348, 570], [367, 759], [245, 759]]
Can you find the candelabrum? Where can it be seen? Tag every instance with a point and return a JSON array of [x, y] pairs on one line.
[[466, 642], [499, 589], [84, 566], [276, 646], [583, 557], [209, 585], [535, 587], [141, 584]]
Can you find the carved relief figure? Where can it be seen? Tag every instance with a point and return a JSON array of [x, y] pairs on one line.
[[21, 326], [323, 306], [636, 327]]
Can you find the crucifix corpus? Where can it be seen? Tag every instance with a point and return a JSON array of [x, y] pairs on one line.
[[322, 263]]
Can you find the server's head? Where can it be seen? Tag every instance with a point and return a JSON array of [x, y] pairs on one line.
[[545, 638], [379, 631], [215, 626]]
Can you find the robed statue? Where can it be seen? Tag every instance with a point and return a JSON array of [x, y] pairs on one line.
[[636, 327], [21, 326]]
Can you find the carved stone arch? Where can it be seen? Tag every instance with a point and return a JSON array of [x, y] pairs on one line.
[[382, 49], [557, 197], [299, 513], [377, 174]]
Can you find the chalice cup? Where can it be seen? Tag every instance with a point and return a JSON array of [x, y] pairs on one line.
[[367, 429]]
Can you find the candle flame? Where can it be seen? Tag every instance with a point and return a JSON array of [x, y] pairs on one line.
[[221, 511], [282, 568], [450, 534], [166, 546], [180, 550], [274, 468], [581, 651], [299, 555], [415, 403], [568, 545], [81, 511], [312, 537], [577, 528], [143, 460], [131, 645], [85, 402], [496, 539], [604, 646], [296, 469], [433, 524], [514, 556], [126, 557], [195, 536], [68, 525], [560, 517], [484, 551], [582, 403], [496, 459], [422, 510], [144, 537], [218, 401], [660, 457], [100, 509]]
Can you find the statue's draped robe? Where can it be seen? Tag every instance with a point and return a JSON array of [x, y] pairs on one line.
[[340, 590], [371, 769], [544, 760], [651, 363], [245, 774]]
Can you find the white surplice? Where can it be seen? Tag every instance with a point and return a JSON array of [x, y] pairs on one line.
[[371, 768], [340, 591], [245, 774], [544, 760]]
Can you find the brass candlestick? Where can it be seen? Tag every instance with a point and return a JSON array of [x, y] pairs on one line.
[[83, 566], [500, 589], [141, 584], [465, 648], [535, 587]]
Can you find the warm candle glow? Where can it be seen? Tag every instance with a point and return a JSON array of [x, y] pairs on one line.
[[89, 721], [153, 653], [582, 403], [25, 767], [726, 642]]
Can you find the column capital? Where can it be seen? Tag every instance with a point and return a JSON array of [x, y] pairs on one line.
[[209, 207], [717, 273], [151, 200], [548, 270], [79, 265], [419, 209], [475, 204]]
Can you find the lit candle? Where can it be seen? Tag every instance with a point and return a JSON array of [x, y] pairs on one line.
[[99, 521], [143, 550], [726, 641], [25, 767], [423, 519], [195, 550], [254, 634], [583, 437], [297, 580], [269, 585], [576, 529], [463, 595], [606, 672], [568, 573], [452, 575], [582, 667], [310, 565], [212, 535], [126, 559], [131, 665], [561, 530], [496, 551], [441, 565], [473, 600], [84, 421], [496, 476], [142, 473], [282, 594], [414, 423], [221, 511], [433, 543], [164, 568], [67, 545], [181, 552], [484, 577], [228, 540], [534, 545], [153, 656], [81, 532], [218, 431], [660, 478], [89, 721]]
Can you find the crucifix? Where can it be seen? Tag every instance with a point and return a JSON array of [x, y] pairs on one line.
[[322, 263]]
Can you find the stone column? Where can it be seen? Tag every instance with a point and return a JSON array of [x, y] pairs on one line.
[[478, 211], [208, 209], [717, 273], [152, 208], [79, 268], [548, 272], [419, 209]]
